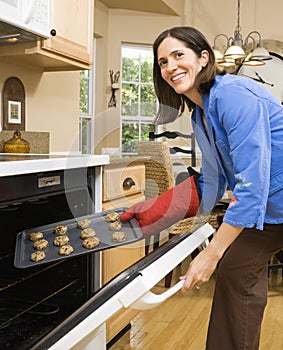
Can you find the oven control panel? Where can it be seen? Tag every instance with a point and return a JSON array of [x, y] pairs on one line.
[[49, 181]]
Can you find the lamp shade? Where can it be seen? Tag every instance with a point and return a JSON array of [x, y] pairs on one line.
[[218, 55], [234, 51], [260, 53], [228, 62], [247, 61]]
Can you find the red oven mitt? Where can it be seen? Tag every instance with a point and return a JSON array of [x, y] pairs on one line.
[[156, 214]]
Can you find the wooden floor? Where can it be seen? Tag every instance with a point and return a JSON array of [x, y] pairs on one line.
[[181, 322]]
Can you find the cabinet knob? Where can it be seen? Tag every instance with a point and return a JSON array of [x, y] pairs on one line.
[[53, 32], [128, 182]]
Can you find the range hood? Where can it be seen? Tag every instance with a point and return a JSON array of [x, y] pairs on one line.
[[10, 34]]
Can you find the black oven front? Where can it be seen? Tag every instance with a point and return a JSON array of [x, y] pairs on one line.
[[34, 301]]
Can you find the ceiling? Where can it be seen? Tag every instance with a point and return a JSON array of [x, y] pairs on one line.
[[154, 6]]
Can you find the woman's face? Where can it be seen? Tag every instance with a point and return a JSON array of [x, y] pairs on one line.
[[180, 65]]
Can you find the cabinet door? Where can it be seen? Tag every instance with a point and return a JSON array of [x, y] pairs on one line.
[[73, 22]]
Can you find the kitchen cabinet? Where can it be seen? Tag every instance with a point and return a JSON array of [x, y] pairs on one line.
[[115, 195], [70, 49]]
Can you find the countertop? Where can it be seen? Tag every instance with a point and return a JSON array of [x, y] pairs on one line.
[[17, 164]]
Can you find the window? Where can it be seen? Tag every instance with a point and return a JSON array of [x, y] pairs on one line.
[[138, 100], [86, 110]]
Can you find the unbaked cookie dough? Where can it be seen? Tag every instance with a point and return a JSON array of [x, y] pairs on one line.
[[34, 236], [115, 226], [119, 236], [66, 250], [60, 230], [112, 216], [40, 244], [61, 240], [84, 223], [87, 232], [37, 256], [90, 242]]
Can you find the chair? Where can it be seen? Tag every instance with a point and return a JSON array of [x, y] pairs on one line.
[[276, 262], [176, 149], [159, 175]]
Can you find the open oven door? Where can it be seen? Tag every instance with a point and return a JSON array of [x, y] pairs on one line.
[[85, 329]]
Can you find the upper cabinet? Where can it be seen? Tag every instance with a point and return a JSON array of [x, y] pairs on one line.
[[70, 47]]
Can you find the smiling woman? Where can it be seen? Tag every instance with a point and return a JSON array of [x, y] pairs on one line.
[[232, 116]]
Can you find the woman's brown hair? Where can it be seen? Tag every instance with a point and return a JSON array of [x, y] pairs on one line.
[[171, 104]]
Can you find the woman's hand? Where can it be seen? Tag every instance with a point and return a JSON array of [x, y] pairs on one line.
[[200, 269], [204, 264]]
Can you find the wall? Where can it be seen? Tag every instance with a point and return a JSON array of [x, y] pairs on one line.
[[142, 28], [51, 103], [123, 27], [220, 16]]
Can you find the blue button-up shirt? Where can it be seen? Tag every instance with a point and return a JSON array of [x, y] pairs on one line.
[[242, 148]]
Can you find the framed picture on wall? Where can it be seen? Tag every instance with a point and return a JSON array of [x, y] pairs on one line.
[[14, 112], [13, 101]]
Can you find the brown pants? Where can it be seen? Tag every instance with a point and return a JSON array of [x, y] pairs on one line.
[[241, 289]]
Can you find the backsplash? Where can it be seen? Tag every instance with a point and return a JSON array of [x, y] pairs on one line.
[[38, 140]]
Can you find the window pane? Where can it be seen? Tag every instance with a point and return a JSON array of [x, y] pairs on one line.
[[148, 101], [129, 98], [130, 69], [145, 129], [130, 132], [84, 92], [84, 136], [146, 69]]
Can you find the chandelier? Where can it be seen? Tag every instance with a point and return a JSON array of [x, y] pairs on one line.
[[239, 51]]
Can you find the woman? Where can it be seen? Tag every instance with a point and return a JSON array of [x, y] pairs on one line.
[[239, 128]]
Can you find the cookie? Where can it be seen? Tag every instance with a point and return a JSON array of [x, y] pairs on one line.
[[61, 240], [40, 244], [87, 232], [90, 242], [34, 236], [112, 216], [66, 250], [37, 256], [60, 230], [119, 236], [84, 223], [115, 226]]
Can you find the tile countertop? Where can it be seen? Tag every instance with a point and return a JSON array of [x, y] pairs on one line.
[[17, 164]]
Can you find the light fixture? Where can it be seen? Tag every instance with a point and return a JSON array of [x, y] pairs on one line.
[[238, 51]]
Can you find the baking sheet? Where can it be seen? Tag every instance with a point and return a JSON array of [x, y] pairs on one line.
[[24, 246]]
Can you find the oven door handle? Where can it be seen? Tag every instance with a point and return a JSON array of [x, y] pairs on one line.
[[150, 300]]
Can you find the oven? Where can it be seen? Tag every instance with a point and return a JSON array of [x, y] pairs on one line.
[[34, 301], [61, 304]]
